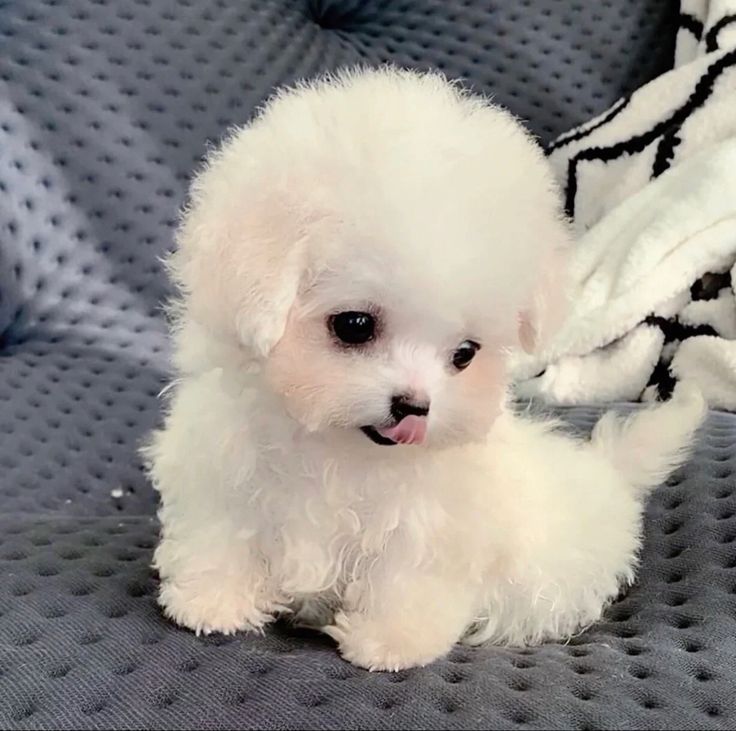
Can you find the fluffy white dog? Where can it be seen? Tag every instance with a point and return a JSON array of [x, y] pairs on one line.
[[353, 269]]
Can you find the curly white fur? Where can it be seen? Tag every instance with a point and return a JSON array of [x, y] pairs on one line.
[[393, 193]]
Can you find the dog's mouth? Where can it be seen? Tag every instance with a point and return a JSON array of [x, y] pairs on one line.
[[410, 430], [375, 436]]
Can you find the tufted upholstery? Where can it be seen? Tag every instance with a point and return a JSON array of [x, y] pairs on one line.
[[105, 108], [82, 643]]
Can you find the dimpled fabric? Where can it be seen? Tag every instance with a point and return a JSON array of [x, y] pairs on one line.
[[106, 106]]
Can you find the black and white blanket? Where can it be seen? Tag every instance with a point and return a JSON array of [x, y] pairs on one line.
[[651, 188]]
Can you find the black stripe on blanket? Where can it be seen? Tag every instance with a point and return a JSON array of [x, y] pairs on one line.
[[709, 285], [711, 37], [666, 151], [581, 134], [663, 380], [691, 23], [673, 330], [703, 89]]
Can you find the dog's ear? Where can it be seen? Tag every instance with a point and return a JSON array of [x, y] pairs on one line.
[[549, 304], [240, 258]]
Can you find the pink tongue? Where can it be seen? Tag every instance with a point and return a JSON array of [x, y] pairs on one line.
[[410, 430]]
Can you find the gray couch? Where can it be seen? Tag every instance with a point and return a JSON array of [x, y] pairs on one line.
[[106, 106]]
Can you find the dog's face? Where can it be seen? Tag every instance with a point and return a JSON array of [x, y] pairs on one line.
[[378, 261], [383, 354]]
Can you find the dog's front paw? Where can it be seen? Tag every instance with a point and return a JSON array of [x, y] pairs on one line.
[[393, 645], [208, 606]]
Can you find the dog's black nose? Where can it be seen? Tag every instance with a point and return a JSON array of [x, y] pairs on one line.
[[402, 406]]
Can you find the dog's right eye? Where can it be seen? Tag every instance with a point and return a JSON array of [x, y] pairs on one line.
[[353, 328], [464, 354]]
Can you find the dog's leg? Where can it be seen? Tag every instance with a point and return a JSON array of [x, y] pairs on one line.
[[213, 578], [213, 582], [403, 621]]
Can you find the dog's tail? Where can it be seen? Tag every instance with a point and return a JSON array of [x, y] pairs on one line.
[[650, 444]]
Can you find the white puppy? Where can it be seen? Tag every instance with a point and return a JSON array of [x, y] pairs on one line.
[[353, 269]]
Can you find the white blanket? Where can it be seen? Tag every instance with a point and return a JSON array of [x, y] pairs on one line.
[[651, 187]]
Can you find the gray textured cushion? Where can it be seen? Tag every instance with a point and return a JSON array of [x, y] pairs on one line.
[[105, 108], [82, 643]]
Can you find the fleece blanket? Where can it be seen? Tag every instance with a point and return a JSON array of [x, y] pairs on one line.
[[650, 186]]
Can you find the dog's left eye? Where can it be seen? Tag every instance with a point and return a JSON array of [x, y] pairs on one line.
[[353, 328], [464, 353]]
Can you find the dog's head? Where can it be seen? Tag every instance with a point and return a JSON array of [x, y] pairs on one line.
[[376, 243]]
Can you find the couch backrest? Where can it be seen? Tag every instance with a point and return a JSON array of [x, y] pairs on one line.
[[106, 107]]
